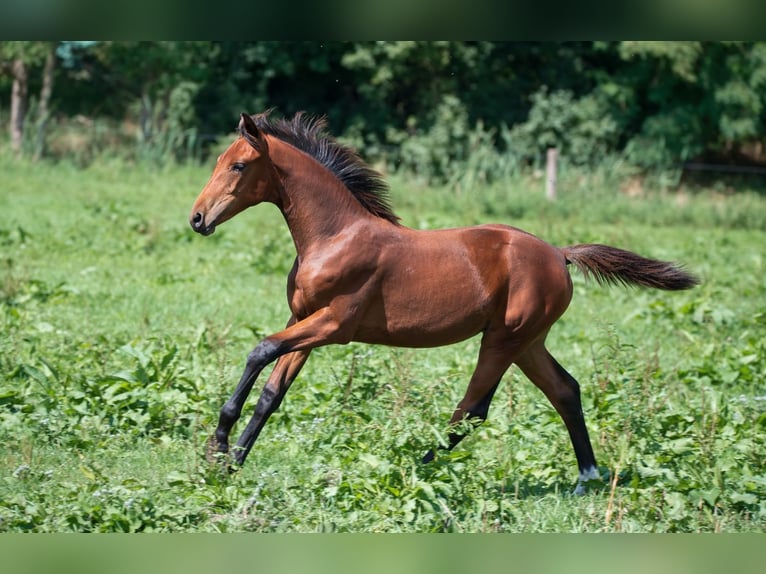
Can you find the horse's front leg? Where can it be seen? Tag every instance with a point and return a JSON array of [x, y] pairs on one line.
[[263, 354], [284, 373], [320, 328]]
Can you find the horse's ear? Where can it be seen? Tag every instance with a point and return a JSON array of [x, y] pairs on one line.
[[251, 133]]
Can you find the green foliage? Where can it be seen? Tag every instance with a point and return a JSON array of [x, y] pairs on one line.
[[435, 153], [581, 129], [689, 99], [460, 113], [32, 53], [125, 332]]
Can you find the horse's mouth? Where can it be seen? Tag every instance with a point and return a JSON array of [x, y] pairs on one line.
[[207, 230]]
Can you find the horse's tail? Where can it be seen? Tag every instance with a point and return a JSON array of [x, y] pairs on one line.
[[610, 265]]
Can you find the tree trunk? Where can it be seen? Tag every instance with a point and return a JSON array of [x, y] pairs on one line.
[[146, 117], [18, 104], [45, 98]]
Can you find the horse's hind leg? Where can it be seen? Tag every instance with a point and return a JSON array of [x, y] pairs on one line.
[[478, 414], [474, 407], [563, 392]]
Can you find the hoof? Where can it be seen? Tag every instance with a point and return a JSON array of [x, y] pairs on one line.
[[217, 453], [428, 457], [588, 478], [221, 463]]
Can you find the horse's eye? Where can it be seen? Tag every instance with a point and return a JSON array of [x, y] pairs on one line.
[[238, 167]]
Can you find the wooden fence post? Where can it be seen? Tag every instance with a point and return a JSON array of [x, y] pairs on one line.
[[550, 173]]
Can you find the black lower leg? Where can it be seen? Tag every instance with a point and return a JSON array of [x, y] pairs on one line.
[[475, 416], [571, 411], [268, 402], [265, 352]]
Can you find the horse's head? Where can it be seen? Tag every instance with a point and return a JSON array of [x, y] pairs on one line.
[[243, 176]]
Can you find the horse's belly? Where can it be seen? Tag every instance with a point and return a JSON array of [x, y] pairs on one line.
[[426, 318], [415, 337]]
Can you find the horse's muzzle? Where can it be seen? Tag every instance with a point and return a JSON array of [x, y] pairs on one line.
[[197, 223]]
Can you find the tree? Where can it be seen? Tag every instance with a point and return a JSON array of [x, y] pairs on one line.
[[155, 83], [46, 91], [16, 58], [690, 100], [18, 103]]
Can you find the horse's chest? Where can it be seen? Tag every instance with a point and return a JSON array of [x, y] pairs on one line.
[[312, 291], [316, 286]]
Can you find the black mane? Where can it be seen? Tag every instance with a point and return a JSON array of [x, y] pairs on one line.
[[309, 134]]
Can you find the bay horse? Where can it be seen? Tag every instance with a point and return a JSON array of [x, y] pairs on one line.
[[360, 275]]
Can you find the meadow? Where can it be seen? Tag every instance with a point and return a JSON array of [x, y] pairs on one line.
[[123, 332]]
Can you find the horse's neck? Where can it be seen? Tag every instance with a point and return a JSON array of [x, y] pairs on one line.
[[315, 204]]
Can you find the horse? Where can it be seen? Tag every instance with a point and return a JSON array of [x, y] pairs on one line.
[[361, 275]]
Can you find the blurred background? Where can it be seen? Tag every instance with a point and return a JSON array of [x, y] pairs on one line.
[[445, 112]]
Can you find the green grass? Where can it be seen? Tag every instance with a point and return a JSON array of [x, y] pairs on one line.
[[123, 333]]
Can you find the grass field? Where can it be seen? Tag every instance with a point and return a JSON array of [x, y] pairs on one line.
[[123, 333]]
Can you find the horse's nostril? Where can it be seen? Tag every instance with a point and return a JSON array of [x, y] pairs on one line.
[[197, 219]]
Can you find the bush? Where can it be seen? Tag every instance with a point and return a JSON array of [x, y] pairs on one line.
[[581, 129], [451, 151]]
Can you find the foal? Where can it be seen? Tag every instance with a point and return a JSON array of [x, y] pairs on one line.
[[360, 275]]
